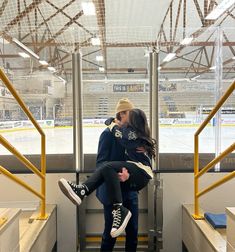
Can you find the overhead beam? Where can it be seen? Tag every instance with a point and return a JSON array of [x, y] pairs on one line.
[[64, 28], [66, 15], [9, 55], [48, 19], [2, 8], [21, 15], [137, 44]]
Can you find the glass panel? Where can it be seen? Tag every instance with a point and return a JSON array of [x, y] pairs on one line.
[[187, 89], [185, 97], [45, 93], [126, 78], [228, 109]]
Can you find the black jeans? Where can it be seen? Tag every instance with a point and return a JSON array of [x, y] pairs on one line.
[[131, 203], [108, 173]]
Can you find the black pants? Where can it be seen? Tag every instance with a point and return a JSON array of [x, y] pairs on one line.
[[108, 173], [131, 203]]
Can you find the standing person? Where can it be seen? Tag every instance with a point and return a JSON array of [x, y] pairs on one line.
[[135, 134], [110, 150]]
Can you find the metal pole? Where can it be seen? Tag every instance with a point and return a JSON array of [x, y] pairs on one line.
[[150, 87], [151, 185], [155, 187], [155, 134], [77, 112], [218, 93], [155, 108], [77, 135]]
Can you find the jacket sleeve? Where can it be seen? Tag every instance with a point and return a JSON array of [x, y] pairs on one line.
[[126, 136], [104, 147]]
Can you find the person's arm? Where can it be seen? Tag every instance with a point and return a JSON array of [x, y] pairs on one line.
[[103, 155], [104, 147], [125, 136]]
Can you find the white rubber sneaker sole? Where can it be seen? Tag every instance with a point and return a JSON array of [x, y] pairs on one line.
[[68, 191], [117, 232]]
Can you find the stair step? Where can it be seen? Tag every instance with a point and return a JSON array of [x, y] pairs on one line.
[[230, 212], [9, 230], [38, 235]]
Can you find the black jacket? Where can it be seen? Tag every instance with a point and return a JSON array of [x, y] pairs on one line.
[[128, 138]]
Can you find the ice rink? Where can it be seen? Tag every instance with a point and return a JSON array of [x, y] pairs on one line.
[[172, 140]]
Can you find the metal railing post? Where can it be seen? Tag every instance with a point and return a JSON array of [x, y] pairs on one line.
[[212, 163], [196, 170], [43, 181], [18, 155]]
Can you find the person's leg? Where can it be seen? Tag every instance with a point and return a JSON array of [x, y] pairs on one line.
[[108, 242], [131, 203], [138, 179], [106, 173], [75, 192]]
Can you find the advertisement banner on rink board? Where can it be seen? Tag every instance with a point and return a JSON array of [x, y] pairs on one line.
[[25, 124], [100, 122], [128, 87]]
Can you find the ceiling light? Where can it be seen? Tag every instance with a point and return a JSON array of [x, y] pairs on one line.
[[159, 68], [99, 58], [186, 41], [22, 46], [4, 41], [59, 77], [233, 57], [169, 57], [43, 62], [95, 41], [101, 69], [24, 55], [197, 76], [213, 68], [88, 9], [220, 9], [52, 69]]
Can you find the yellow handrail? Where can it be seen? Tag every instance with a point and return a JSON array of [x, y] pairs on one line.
[[22, 158], [198, 173]]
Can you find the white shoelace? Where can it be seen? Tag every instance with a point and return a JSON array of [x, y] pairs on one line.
[[75, 185], [116, 217]]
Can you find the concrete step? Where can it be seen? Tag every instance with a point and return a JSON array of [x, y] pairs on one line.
[[230, 213], [199, 235], [9, 230], [38, 235]]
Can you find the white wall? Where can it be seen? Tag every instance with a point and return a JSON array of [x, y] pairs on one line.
[[66, 211], [178, 190]]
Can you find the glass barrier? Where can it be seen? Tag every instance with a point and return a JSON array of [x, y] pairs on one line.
[[198, 68]]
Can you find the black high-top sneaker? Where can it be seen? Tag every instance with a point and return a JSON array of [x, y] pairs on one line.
[[121, 216], [74, 192]]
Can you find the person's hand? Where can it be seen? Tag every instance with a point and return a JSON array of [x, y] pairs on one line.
[[124, 175], [140, 149]]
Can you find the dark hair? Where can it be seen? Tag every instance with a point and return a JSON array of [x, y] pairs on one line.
[[118, 115], [138, 121]]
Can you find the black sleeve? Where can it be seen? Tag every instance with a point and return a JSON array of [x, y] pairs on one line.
[[104, 147], [109, 121], [126, 136]]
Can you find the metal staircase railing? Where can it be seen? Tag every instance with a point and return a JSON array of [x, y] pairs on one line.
[[197, 173], [22, 158]]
